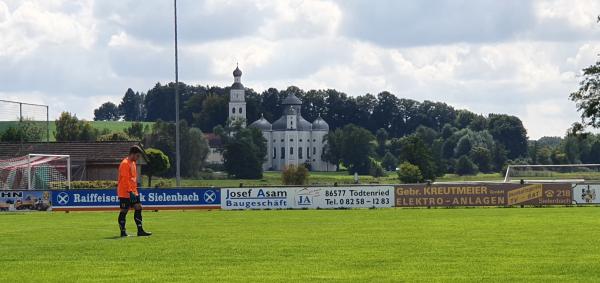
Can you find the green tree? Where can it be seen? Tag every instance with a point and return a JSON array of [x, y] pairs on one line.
[[214, 112], [482, 157], [107, 112], [426, 134], [25, 131], [158, 163], [136, 130], [193, 146], [479, 123], [244, 153], [587, 97], [509, 131], [389, 161], [413, 150], [375, 169], [195, 149], [409, 173], [382, 137], [357, 148], [332, 151], [463, 147], [464, 166], [464, 118], [447, 131], [132, 106], [88, 133], [114, 136], [595, 153], [70, 128]]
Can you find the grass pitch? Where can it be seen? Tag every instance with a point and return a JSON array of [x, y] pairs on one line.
[[527, 245]]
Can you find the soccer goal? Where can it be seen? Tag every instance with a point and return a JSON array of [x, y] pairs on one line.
[[36, 172], [553, 173]]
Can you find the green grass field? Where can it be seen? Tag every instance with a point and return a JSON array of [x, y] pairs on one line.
[[112, 126], [387, 245]]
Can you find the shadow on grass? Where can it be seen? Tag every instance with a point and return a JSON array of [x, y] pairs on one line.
[[115, 238]]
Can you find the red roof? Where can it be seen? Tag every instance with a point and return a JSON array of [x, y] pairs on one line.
[[214, 141]]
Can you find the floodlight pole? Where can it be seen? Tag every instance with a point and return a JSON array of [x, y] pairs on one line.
[[177, 153]]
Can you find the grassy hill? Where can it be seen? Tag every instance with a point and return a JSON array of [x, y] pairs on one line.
[[113, 126]]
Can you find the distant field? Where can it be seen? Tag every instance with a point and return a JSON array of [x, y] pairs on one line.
[[319, 178], [113, 126], [330, 178], [386, 245]]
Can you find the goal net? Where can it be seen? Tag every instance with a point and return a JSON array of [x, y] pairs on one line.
[[36, 172], [553, 173]]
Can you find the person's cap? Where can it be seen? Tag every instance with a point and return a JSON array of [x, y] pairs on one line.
[[135, 149], [138, 149]]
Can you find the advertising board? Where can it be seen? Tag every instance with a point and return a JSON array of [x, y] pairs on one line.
[[25, 201], [98, 199], [344, 197], [586, 194], [447, 195], [307, 197], [256, 198]]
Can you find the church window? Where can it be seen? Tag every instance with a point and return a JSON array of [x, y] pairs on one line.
[[291, 151], [274, 153], [314, 150], [240, 110], [233, 110], [300, 153], [307, 152], [282, 152]]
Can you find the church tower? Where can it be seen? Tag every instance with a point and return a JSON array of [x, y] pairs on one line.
[[237, 100]]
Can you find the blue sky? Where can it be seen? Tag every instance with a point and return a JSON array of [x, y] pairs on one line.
[[516, 57]]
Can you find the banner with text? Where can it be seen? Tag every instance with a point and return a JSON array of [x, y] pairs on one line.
[[586, 194], [344, 197], [90, 199], [307, 197], [482, 195], [256, 198], [25, 201]]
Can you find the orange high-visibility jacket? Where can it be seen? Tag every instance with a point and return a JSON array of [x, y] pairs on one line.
[[127, 178]]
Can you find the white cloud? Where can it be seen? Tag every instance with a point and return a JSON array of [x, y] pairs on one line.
[[516, 57]]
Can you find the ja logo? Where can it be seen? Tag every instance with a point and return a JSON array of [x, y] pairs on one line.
[[62, 198], [210, 196]]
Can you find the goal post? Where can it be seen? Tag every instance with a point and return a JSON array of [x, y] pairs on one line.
[[553, 173], [36, 172]]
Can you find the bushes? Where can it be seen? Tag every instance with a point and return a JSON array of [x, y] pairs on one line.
[[464, 166], [409, 173], [376, 170], [93, 184], [389, 161], [294, 175]]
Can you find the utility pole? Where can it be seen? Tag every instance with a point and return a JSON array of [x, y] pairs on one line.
[[177, 139]]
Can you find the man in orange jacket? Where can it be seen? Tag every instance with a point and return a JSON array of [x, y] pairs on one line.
[[128, 192]]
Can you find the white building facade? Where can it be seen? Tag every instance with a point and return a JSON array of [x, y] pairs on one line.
[[291, 140]]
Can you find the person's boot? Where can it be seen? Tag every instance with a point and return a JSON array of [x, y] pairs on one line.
[[142, 233], [137, 216], [122, 224]]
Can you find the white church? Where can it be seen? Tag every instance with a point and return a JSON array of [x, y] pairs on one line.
[[291, 140]]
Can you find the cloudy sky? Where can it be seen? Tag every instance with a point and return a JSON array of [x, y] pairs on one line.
[[502, 56]]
